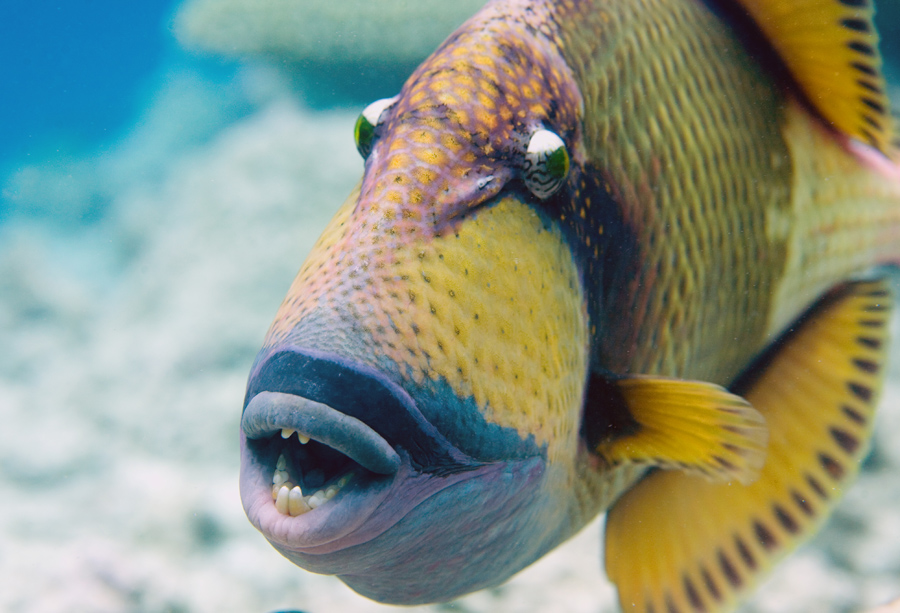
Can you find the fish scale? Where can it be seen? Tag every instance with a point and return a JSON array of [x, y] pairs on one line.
[[699, 226], [380, 275], [667, 322]]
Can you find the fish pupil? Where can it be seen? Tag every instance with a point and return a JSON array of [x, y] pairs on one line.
[[363, 134], [558, 163]]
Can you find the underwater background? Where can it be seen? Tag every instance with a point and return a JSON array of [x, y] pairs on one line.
[[164, 169]]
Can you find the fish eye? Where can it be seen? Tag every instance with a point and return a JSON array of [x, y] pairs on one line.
[[364, 130], [546, 163]]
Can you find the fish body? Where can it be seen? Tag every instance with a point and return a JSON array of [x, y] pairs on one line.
[[592, 241]]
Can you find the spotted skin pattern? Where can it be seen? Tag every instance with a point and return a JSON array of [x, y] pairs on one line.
[[698, 219], [414, 268], [677, 213]]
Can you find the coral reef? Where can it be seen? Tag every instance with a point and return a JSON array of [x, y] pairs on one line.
[[355, 49], [392, 31]]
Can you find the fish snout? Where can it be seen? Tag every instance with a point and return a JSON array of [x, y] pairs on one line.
[[319, 428], [271, 413], [418, 394], [347, 405]]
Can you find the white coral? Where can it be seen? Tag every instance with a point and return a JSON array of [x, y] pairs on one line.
[[323, 31]]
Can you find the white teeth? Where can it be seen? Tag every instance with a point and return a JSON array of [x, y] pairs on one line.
[[276, 487], [297, 504], [281, 501], [316, 500], [280, 475], [287, 432], [289, 498]]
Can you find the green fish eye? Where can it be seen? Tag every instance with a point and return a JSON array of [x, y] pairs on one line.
[[546, 163], [364, 130]]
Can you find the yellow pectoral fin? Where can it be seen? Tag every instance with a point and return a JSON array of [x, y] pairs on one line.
[[676, 542], [830, 48], [696, 427]]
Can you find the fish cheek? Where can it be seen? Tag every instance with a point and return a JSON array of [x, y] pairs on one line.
[[321, 282], [493, 313], [472, 535]]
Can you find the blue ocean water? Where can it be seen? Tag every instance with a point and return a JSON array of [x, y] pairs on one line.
[[73, 71], [79, 79]]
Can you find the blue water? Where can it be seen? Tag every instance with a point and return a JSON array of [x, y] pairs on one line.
[[72, 71], [78, 79]]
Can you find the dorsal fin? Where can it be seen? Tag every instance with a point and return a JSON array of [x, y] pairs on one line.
[[830, 47]]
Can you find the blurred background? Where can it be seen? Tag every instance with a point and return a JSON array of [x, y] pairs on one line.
[[164, 169]]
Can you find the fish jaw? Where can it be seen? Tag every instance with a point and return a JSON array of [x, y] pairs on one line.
[[477, 545], [406, 478], [332, 401], [463, 462], [444, 310]]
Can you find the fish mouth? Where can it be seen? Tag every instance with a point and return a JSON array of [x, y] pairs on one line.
[[333, 453]]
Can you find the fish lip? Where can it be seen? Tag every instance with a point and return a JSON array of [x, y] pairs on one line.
[[325, 528], [361, 392], [357, 411], [268, 413]]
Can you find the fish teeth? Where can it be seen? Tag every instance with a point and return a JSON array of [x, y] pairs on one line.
[[287, 432], [316, 500], [281, 500], [297, 504], [289, 498], [280, 476], [276, 488]]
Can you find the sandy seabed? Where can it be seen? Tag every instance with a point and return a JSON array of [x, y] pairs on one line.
[[126, 348]]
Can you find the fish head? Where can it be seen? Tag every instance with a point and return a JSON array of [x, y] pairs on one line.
[[433, 348]]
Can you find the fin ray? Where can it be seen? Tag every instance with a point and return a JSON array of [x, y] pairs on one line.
[[830, 47], [709, 542], [693, 426]]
